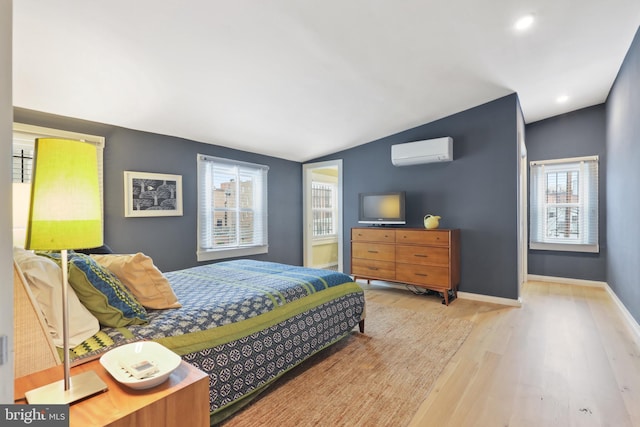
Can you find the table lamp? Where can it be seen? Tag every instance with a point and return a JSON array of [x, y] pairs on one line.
[[65, 213]]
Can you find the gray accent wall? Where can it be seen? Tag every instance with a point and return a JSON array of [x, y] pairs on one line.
[[623, 202], [576, 134], [476, 192], [171, 241]]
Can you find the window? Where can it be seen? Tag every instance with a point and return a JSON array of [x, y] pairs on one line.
[[564, 205], [22, 160], [232, 208], [323, 204], [24, 137]]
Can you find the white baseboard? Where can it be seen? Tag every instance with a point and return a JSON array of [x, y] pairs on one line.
[[629, 319], [489, 299], [461, 295], [631, 322], [566, 281]]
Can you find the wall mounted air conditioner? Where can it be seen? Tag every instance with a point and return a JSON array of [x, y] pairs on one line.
[[419, 152]]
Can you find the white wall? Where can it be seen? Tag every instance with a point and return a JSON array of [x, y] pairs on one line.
[[6, 272]]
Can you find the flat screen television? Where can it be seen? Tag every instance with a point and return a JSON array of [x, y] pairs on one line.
[[382, 208]]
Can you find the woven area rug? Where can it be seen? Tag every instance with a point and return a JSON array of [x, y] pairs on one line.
[[378, 378]]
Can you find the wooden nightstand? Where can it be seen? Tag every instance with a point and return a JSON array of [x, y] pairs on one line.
[[182, 400]]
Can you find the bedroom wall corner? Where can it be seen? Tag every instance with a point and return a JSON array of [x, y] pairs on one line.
[[575, 134], [171, 241], [623, 156], [477, 192]]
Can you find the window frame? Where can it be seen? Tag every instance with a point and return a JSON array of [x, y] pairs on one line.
[[29, 133], [205, 217], [587, 205], [333, 183]]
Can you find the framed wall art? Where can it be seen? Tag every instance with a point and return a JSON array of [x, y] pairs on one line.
[[152, 194]]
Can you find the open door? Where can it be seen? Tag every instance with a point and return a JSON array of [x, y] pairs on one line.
[[523, 249], [322, 210]]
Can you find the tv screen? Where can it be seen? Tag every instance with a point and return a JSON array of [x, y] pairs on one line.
[[382, 208]]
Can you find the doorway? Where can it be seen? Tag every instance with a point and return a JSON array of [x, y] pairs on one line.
[[523, 250], [322, 212]]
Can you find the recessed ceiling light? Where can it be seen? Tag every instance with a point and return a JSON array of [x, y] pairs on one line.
[[524, 23], [562, 99]]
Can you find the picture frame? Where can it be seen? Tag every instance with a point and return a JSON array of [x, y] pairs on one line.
[[152, 194]]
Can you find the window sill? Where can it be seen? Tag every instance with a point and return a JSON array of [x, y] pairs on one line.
[[210, 255], [318, 241], [564, 247]]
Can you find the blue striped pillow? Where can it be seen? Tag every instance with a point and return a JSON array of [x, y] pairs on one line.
[[103, 294]]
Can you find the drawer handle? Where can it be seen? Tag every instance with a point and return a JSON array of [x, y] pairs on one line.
[[373, 268], [372, 251], [421, 255], [422, 274]]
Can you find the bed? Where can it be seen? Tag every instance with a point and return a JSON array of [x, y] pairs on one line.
[[245, 323]]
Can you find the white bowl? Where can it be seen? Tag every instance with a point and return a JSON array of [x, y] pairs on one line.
[[166, 361]]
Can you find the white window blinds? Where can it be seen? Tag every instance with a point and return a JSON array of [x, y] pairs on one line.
[[232, 208], [323, 204], [564, 204]]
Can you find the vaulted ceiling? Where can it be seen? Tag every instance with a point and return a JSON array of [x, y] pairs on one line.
[[298, 80]]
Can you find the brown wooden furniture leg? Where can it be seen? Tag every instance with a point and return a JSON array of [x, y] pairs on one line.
[[361, 325]]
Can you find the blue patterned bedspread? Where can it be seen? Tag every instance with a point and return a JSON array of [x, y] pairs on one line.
[[246, 322], [227, 292]]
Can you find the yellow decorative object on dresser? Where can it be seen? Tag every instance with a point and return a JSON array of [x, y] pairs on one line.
[[431, 221]]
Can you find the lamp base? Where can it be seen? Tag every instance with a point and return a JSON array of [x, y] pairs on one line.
[[80, 386]]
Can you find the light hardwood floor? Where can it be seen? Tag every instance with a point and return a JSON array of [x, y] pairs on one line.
[[565, 358]]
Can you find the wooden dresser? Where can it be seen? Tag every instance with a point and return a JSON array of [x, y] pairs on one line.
[[426, 258]]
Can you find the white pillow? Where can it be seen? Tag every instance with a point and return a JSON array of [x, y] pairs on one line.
[[44, 278]]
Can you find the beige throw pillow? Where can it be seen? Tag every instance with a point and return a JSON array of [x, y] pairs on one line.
[[138, 273]]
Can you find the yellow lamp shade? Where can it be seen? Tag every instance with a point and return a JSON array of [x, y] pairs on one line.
[[65, 210]]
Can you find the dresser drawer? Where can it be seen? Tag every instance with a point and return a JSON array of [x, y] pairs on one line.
[[422, 255], [373, 235], [423, 237], [373, 269], [420, 274], [374, 251]]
